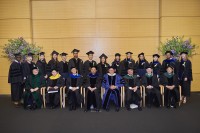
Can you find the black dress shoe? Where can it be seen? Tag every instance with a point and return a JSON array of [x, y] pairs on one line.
[[97, 110], [117, 109], [107, 109], [128, 108], [148, 105], [139, 108], [74, 107], [86, 110]]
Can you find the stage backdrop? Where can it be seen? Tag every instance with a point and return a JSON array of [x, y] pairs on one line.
[[104, 26]]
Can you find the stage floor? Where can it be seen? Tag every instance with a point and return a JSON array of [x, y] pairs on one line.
[[185, 119]]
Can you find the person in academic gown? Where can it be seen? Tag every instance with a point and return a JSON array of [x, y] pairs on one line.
[[152, 89], [15, 78], [32, 96], [117, 64], [185, 75], [141, 65], [42, 64], [170, 82], [74, 84], [132, 89], [156, 65], [76, 62], [63, 65], [127, 63], [53, 63], [88, 64], [28, 65], [54, 82], [170, 61], [103, 66], [112, 84], [93, 87]]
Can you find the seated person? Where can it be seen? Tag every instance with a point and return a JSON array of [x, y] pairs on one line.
[[112, 84], [54, 82], [32, 96], [74, 83], [93, 87], [152, 89], [170, 82], [132, 90]]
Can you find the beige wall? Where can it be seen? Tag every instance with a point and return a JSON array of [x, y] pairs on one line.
[[107, 26]]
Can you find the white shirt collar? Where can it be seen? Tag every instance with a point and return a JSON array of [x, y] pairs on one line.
[[112, 74]]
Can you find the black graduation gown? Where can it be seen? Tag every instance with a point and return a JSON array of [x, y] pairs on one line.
[[127, 63], [156, 66], [63, 68], [130, 95], [42, 67], [87, 66], [153, 93], [172, 62], [118, 66], [78, 63], [52, 64], [15, 77], [34, 99], [141, 67], [102, 69], [53, 99], [185, 71], [74, 97], [27, 68], [93, 98], [171, 96]]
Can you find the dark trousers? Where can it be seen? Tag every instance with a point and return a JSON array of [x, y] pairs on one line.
[[93, 98], [132, 97], [171, 96], [153, 94]]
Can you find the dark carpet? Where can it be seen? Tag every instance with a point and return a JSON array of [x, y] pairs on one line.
[[185, 119]]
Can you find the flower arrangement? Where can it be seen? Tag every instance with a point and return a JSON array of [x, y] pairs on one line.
[[177, 45], [19, 45]]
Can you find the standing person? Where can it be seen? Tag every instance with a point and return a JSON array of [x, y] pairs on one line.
[[88, 64], [170, 61], [63, 65], [127, 63], [93, 87], [15, 78], [152, 89], [42, 64], [132, 90], [170, 82], [103, 66], [74, 84], [156, 65], [185, 75], [28, 65], [141, 65], [53, 63], [33, 85], [76, 62], [112, 84], [117, 64]]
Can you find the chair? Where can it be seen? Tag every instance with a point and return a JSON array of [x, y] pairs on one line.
[[44, 93], [64, 92], [121, 94], [162, 93]]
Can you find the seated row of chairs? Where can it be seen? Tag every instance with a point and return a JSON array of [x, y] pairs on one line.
[[82, 91]]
